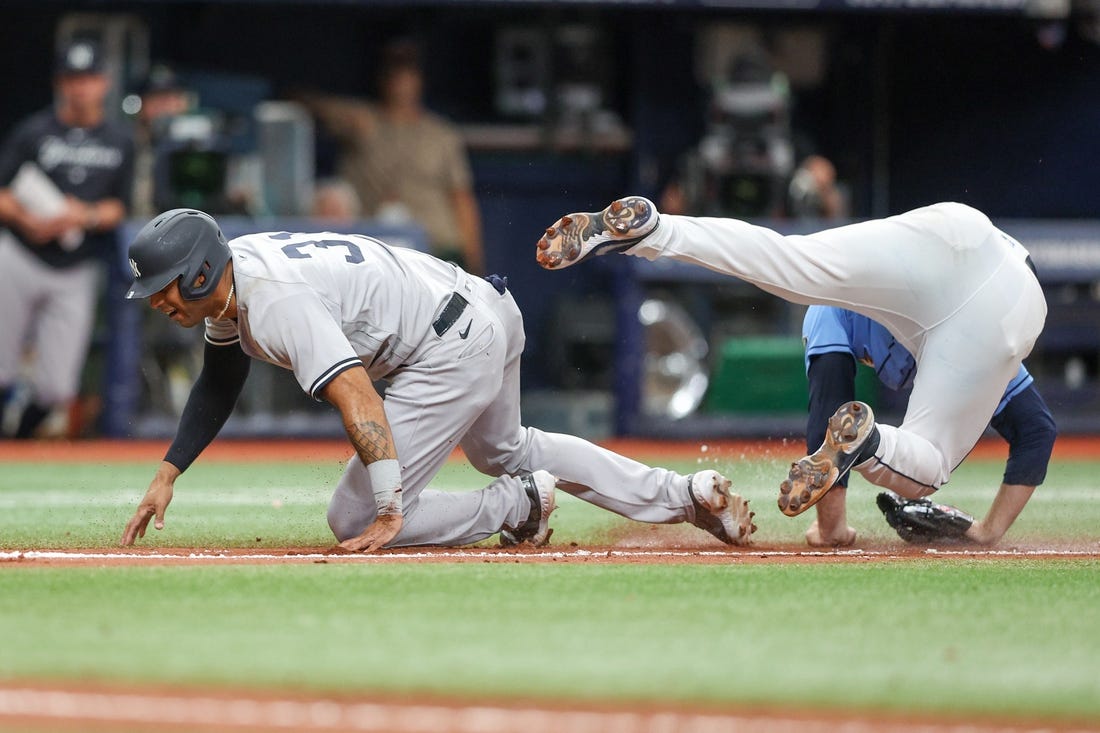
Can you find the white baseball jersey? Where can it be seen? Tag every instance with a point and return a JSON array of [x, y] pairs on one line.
[[321, 303]]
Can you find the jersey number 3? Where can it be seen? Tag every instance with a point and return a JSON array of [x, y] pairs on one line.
[[294, 251]]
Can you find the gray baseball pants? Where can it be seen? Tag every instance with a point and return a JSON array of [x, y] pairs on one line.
[[47, 312], [466, 392]]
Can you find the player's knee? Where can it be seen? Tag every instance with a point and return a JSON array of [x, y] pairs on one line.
[[507, 457], [508, 460]]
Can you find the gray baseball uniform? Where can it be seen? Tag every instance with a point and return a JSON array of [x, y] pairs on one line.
[[450, 346], [953, 289], [48, 298]]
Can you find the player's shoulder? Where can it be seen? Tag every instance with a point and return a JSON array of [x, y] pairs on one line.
[[286, 258], [441, 126], [36, 124]]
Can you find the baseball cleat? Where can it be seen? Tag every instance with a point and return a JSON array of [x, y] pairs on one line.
[[536, 530], [850, 439], [573, 237], [720, 511]]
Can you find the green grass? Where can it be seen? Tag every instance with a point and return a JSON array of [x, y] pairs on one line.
[[1015, 637], [283, 504]]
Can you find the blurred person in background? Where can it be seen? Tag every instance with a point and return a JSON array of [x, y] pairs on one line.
[[743, 166], [65, 179], [163, 97], [406, 162], [740, 165], [335, 200], [814, 192]]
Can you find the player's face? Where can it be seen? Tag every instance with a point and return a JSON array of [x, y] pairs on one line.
[[403, 87], [171, 303], [83, 91]]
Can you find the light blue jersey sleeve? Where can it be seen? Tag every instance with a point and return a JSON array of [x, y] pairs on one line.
[[1019, 383], [829, 330], [826, 330]]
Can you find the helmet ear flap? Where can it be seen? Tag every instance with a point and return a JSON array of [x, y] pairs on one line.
[[200, 277], [183, 244]]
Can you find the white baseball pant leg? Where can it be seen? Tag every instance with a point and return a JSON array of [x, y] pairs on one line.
[[51, 311], [947, 284]]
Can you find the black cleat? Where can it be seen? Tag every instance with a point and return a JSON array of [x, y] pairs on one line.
[[536, 530]]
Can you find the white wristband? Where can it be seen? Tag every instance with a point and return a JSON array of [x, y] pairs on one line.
[[385, 482]]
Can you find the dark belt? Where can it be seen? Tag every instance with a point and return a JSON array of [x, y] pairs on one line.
[[450, 314]]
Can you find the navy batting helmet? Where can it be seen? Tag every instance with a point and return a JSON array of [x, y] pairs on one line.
[[181, 243]]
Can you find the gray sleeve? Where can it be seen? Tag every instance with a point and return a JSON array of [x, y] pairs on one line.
[[301, 331]]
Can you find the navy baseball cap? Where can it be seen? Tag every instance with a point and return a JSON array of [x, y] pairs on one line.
[[161, 78], [79, 57]]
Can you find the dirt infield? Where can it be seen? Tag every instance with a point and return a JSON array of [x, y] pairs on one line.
[[569, 555], [120, 708], [117, 451]]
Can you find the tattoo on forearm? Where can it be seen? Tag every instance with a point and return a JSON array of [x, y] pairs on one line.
[[371, 440]]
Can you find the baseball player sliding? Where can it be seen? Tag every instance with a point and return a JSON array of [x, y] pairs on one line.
[[947, 285], [835, 340], [341, 311]]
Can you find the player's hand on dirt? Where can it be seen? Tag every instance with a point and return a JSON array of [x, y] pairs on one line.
[[838, 537], [381, 531], [153, 505]]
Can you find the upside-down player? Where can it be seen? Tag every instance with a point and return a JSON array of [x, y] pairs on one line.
[[948, 285]]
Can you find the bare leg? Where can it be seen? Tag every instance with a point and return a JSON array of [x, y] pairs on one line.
[[1007, 505]]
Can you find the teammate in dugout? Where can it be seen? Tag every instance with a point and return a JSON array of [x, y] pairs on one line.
[[341, 311], [947, 285], [49, 259], [835, 340]]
